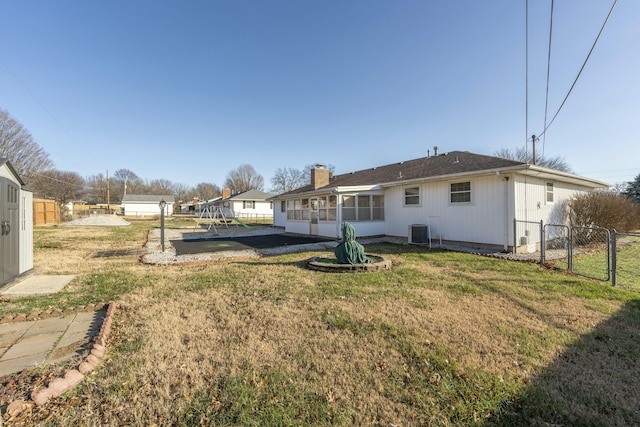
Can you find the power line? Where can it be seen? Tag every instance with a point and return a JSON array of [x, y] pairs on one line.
[[15, 76], [546, 101], [526, 78], [581, 68]]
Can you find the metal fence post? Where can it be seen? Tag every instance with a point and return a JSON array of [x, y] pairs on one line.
[[515, 234], [570, 260], [614, 237]]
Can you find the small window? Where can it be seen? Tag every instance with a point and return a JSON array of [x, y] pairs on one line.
[[349, 208], [378, 207], [364, 208], [412, 196], [461, 192], [248, 204], [549, 192], [283, 206]]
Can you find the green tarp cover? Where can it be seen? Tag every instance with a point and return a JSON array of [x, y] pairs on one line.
[[349, 251]]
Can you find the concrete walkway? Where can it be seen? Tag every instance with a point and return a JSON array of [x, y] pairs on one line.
[[29, 344]]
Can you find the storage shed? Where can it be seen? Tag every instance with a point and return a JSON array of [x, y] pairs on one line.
[[16, 221]]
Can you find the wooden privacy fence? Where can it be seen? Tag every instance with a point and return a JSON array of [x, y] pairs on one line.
[[45, 212]]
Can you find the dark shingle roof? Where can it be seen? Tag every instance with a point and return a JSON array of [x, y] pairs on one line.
[[451, 163], [251, 195]]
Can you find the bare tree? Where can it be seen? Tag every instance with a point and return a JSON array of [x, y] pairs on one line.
[[127, 182], [207, 191], [160, 187], [96, 189], [243, 179], [287, 179], [17, 145], [524, 156], [61, 186], [182, 192]]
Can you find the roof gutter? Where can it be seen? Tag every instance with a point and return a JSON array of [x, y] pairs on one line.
[[524, 169]]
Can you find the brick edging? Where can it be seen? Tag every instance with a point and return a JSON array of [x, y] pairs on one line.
[[45, 314], [58, 386]]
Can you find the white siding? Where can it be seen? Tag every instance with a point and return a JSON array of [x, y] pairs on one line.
[[481, 221], [531, 199], [367, 228], [262, 209], [300, 227], [279, 218], [145, 209]]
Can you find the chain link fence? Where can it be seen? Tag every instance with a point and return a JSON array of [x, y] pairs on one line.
[[556, 250], [593, 252], [625, 251]]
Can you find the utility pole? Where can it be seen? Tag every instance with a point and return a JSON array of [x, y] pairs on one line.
[[108, 194]]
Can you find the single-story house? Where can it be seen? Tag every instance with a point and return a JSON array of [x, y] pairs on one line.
[[141, 205], [16, 221], [251, 204], [452, 197], [192, 206]]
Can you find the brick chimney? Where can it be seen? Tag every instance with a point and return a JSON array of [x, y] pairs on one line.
[[226, 193], [319, 176]]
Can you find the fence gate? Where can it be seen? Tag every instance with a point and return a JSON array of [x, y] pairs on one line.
[[590, 253], [625, 250], [557, 246]]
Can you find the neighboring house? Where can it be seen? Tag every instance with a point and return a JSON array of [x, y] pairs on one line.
[[146, 205], [252, 204], [191, 207], [16, 221], [454, 197]]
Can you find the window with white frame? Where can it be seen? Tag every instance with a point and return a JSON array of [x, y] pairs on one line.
[[549, 192], [348, 208], [377, 207], [412, 196], [298, 209], [362, 207], [248, 204], [461, 192]]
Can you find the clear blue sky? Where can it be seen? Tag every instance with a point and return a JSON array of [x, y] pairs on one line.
[[189, 90]]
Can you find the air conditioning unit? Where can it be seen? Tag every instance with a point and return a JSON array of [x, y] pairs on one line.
[[418, 234]]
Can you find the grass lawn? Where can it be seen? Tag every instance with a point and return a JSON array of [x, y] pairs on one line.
[[442, 338]]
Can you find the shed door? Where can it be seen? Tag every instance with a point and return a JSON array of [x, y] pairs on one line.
[[9, 234]]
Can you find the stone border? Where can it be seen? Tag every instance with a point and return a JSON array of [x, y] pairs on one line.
[[58, 386], [379, 264], [46, 314]]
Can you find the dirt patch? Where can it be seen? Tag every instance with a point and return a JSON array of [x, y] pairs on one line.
[[98, 221]]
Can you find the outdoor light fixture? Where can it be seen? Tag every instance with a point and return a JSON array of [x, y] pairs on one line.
[[162, 205]]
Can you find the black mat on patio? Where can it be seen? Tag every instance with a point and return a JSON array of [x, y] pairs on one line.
[[199, 246]]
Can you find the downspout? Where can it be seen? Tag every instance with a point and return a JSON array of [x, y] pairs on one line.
[[506, 213]]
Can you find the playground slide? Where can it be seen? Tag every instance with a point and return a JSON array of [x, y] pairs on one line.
[[240, 222]]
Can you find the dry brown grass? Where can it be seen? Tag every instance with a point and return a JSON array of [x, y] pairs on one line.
[[220, 342]]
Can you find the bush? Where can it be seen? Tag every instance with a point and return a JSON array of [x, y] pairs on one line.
[[601, 209]]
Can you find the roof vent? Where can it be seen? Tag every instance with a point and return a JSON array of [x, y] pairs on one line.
[[456, 161]]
